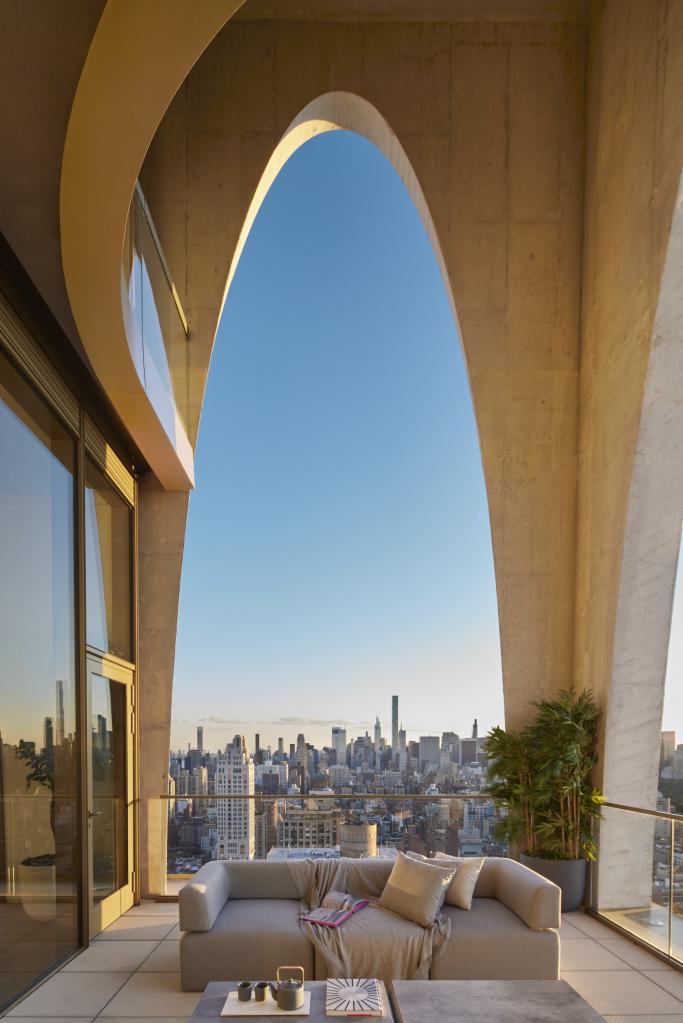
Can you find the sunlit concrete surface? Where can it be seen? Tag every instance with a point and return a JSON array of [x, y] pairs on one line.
[[131, 973]]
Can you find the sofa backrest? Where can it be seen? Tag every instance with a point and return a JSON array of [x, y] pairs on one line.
[[260, 879], [275, 879]]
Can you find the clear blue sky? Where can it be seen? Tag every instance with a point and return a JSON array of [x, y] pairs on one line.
[[338, 547]]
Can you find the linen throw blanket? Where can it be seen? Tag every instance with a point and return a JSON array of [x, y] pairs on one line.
[[374, 943]]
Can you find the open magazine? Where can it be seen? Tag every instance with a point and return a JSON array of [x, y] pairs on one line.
[[335, 908]]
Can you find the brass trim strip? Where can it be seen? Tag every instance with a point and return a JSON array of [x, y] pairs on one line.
[[109, 462], [662, 814], [17, 341]]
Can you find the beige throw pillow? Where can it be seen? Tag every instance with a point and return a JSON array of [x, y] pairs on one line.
[[467, 869], [416, 890]]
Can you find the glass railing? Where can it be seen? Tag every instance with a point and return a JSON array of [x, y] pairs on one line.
[[155, 321], [637, 880], [200, 828]]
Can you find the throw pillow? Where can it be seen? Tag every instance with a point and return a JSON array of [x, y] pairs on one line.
[[461, 889], [416, 890], [467, 869]]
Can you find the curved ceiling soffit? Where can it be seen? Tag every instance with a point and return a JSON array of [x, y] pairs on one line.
[[139, 57], [344, 111]]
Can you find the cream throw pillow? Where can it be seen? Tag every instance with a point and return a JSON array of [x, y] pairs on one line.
[[416, 890], [467, 868]]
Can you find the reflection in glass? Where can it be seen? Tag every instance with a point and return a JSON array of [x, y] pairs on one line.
[[637, 891], [107, 566], [108, 767], [39, 862]]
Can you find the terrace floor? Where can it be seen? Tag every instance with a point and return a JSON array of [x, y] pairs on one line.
[[130, 975]]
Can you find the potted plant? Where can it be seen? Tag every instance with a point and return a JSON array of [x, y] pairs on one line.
[[542, 776]]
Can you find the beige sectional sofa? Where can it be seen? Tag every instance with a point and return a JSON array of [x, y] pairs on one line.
[[240, 920]]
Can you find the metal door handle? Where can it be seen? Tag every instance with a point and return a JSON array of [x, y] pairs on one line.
[[95, 813]]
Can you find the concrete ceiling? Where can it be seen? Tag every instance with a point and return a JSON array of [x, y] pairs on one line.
[[44, 48], [417, 10]]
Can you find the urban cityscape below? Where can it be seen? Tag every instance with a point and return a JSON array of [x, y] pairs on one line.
[[361, 795]]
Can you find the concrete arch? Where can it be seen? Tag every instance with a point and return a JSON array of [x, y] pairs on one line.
[[649, 562], [138, 58]]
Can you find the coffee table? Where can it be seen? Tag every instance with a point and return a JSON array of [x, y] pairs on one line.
[[213, 1000], [489, 1001]]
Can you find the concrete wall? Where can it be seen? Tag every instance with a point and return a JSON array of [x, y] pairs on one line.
[[490, 116]]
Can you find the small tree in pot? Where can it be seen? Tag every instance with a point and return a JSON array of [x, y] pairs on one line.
[[543, 777]]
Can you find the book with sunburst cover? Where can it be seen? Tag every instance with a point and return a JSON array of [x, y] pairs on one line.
[[353, 997]]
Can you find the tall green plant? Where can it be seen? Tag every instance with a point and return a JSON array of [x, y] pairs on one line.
[[542, 776]]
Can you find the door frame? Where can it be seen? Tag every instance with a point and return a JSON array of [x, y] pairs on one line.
[[110, 908]]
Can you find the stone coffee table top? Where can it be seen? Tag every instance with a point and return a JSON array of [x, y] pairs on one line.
[[489, 1001], [216, 992]]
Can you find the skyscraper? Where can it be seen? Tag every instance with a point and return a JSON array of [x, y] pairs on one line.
[[281, 746], [59, 734], [378, 737], [200, 738], [475, 730], [394, 727], [339, 743], [235, 820], [429, 751]]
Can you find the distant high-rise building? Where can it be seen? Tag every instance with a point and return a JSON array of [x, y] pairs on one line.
[[235, 822], [339, 743], [668, 745], [48, 733], [429, 751], [394, 726], [301, 750], [257, 742], [377, 744], [469, 750], [59, 735], [200, 738], [281, 746], [475, 730], [291, 752]]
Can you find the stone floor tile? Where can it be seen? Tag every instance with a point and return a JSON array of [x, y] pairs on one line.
[[568, 931], [642, 1019], [63, 1019], [164, 959], [174, 935], [137, 928], [590, 927], [79, 994], [111, 957], [156, 994], [636, 957], [621, 992], [175, 1019], [155, 909], [671, 980], [586, 954]]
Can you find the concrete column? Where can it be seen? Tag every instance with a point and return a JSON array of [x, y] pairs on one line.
[[161, 537]]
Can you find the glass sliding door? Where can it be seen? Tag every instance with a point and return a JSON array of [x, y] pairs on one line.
[[40, 863], [110, 785]]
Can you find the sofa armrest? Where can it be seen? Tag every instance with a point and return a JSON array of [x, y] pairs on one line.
[[533, 898], [202, 899]]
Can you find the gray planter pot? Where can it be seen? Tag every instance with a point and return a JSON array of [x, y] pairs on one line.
[[569, 875]]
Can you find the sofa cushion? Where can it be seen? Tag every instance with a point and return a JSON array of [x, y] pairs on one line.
[[492, 943], [249, 940]]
